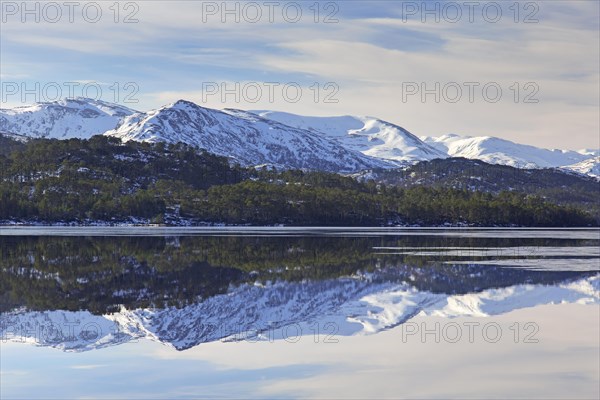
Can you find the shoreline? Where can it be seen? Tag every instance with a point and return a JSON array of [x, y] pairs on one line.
[[225, 225]]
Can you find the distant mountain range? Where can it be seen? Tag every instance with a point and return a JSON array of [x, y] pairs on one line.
[[504, 152], [283, 140]]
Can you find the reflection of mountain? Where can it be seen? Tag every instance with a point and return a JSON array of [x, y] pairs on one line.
[[83, 293], [345, 306], [103, 274]]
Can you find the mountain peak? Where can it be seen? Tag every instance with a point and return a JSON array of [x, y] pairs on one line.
[[184, 103], [78, 117], [244, 137], [371, 136], [191, 107]]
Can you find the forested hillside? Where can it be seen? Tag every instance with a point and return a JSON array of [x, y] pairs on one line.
[[102, 179], [558, 186]]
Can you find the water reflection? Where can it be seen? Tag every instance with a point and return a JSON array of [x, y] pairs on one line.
[[87, 292]]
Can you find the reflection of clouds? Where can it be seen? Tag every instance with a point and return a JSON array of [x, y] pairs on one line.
[[563, 364], [88, 366], [135, 371]]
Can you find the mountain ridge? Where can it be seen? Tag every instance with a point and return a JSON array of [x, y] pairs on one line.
[[495, 150], [369, 135], [64, 119], [281, 139], [244, 137]]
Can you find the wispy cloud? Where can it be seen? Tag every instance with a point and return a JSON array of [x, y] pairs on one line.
[[370, 52]]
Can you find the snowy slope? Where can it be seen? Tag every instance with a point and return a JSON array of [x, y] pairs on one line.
[[589, 167], [350, 306], [340, 144], [64, 119], [242, 136], [500, 151], [368, 135]]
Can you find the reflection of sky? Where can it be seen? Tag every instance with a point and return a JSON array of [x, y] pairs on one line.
[[131, 371], [563, 364]]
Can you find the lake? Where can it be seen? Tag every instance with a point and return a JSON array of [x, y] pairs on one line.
[[140, 312]]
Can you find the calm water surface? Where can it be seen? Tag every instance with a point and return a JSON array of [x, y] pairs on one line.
[[119, 304]]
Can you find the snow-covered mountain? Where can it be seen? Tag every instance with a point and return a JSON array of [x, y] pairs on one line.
[[245, 137], [64, 119], [500, 151], [340, 144], [347, 306], [590, 167], [368, 135]]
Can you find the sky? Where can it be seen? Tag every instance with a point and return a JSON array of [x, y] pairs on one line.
[[525, 71]]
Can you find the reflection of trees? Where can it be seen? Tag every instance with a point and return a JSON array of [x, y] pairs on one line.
[[101, 273]]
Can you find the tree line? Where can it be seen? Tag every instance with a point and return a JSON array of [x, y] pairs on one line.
[[102, 179]]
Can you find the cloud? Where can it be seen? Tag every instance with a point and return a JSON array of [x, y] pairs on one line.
[[370, 52]]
